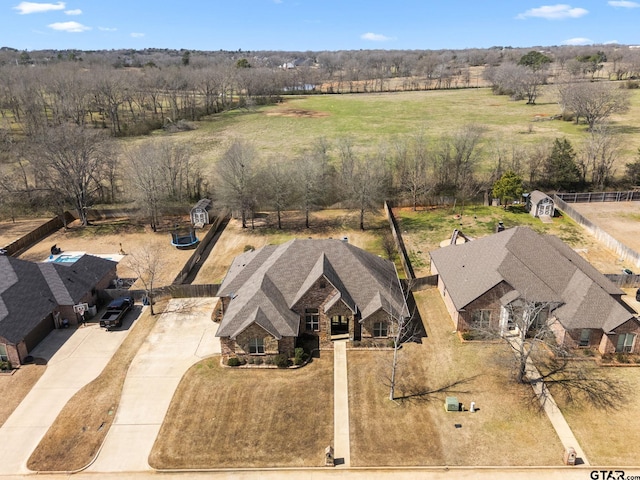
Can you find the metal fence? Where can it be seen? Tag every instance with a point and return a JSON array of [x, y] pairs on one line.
[[588, 197]]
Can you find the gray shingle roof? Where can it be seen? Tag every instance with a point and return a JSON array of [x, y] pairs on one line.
[[540, 267], [274, 278], [30, 291], [536, 196]]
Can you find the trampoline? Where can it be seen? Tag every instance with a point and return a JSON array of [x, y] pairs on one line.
[[182, 239]]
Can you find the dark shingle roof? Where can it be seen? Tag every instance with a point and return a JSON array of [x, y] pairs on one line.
[[274, 278], [540, 267], [30, 291]]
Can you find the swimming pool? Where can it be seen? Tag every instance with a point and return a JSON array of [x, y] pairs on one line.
[[73, 257]]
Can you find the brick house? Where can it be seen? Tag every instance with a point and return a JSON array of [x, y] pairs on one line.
[[484, 281], [35, 298], [328, 289]]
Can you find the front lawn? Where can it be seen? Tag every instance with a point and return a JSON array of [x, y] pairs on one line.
[[223, 417], [507, 429]]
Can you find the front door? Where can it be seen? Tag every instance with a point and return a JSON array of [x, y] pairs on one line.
[[339, 325]]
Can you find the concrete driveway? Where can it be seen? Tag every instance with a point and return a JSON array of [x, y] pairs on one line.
[[75, 357], [183, 335]]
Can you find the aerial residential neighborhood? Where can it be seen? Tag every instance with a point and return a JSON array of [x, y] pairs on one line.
[[277, 239]]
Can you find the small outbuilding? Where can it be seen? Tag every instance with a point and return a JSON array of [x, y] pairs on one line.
[[540, 204], [200, 213]]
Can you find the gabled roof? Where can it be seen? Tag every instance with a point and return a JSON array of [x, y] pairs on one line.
[[275, 278], [30, 291], [540, 268], [537, 196]]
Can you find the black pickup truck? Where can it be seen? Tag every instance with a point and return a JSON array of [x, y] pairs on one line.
[[116, 310]]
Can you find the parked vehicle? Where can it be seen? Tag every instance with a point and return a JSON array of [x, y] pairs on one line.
[[116, 310]]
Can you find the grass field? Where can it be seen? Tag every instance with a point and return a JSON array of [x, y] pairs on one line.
[[223, 417], [372, 119]]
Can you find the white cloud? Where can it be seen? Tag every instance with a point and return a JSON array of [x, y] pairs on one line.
[[137, 35], [107, 29], [554, 12], [623, 4], [77, 11], [72, 27], [611, 42], [375, 37], [25, 8], [578, 41]]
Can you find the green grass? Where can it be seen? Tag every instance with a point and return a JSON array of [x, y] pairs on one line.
[[372, 119], [423, 230]]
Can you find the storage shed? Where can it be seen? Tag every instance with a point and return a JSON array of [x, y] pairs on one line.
[[540, 204], [200, 213]]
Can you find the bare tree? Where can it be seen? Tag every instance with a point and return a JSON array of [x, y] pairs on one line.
[[593, 101], [527, 327], [69, 159], [600, 152], [276, 184], [366, 182], [235, 172], [147, 263], [412, 169]]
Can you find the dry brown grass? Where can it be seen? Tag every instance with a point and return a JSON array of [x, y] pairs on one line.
[[323, 224], [223, 417], [609, 437], [502, 432], [79, 430], [15, 387]]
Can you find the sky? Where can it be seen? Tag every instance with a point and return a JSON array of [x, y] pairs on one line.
[[315, 25]]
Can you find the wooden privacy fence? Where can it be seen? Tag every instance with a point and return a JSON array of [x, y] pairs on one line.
[[168, 291], [624, 280], [197, 253], [34, 236], [623, 252], [397, 236], [587, 197]]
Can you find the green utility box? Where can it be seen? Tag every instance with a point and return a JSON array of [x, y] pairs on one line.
[[451, 404]]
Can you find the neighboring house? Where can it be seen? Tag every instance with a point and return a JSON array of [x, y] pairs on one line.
[[325, 288], [480, 281], [540, 204], [35, 298]]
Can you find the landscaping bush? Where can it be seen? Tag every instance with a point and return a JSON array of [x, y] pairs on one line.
[[234, 362], [622, 357], [300, 356], [248, 248], [258, 361], [468, 336], [6, 365], [281, 360]]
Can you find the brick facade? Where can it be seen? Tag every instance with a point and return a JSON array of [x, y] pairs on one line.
[[489, 301]]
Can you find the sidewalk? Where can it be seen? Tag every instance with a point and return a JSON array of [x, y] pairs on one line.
[[342, 453]]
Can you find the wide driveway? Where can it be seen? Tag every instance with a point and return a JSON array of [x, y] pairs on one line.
[[183, 335], [75, 357]]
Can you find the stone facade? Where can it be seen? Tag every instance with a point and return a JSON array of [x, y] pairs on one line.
[[489, 301], [317, 297]]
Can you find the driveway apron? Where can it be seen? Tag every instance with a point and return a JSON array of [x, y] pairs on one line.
[[74, 358], [183, 335]]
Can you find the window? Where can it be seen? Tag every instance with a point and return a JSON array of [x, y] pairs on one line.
[[625, 342], [481, 318], [3, 353], [585, 336], [380, 329], [256, 346], [312, 319]]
